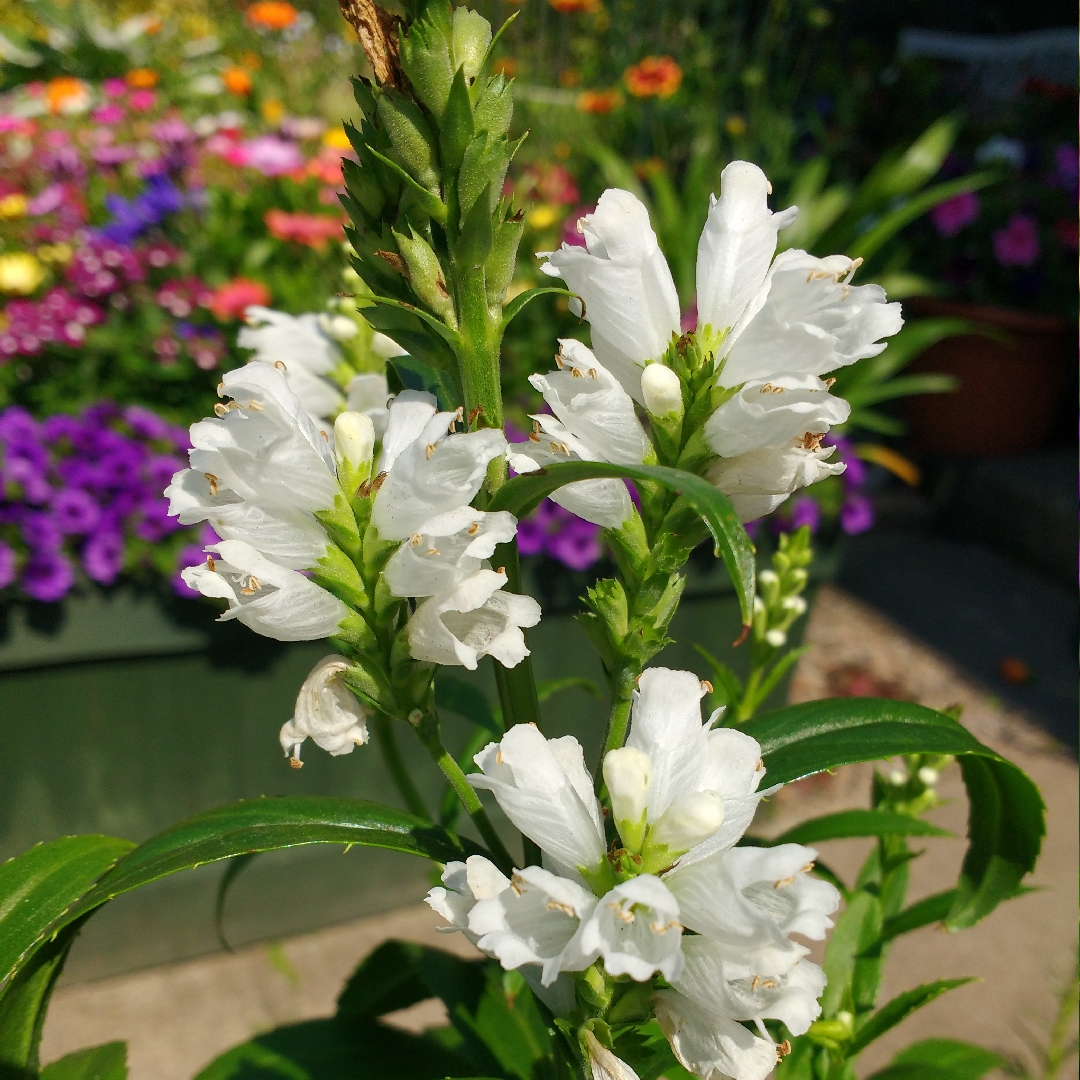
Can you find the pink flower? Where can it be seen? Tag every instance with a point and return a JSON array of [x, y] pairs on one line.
[[1018, 243], [108, 114], [232, 298], [268, 154], [571, 234], [142, 100], [953, 214], [114, 87]]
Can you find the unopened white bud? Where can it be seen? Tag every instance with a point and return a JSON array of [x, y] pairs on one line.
[[605, 1065], [688, 821], [796, 604], [339, 327], [776, 638], [928, 776], [768, 577], [354, 441], [661, 391], [898, 778], [759, 606], [628, 773]]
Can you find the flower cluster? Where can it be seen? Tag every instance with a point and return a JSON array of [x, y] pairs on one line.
[[609, 910], [767, 331], [84, 491]]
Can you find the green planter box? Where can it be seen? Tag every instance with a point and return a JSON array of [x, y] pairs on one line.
[[123, 713]]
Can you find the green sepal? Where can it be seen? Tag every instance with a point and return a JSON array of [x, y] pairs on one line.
[[364, 96], [482, 168], [425, 57], [341, 525], [363, 189], [456, 129], [429, 201], [495, 106], [356, 633], [411, 136], [474, 242], [501, 262], [367, 679], [426, 275], [337, 573], [471, 38]]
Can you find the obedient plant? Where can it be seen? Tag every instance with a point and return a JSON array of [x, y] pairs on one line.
[[637, 928]]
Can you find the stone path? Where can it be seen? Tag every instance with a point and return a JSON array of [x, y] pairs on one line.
[[177, 1018]]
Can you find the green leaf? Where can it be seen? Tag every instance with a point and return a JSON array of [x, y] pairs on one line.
[[517, 305], [417, 375], [901, 1007], [456, 129], [509, 1024], [39, 886], [1006, 818], [946, 1059], [106, 1062], [857, 930], [474, 242], [930, 909], [546, 688], [522, 494], [429, 202], [466, 700], [858, 823]]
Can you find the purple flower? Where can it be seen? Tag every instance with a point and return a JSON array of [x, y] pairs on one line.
[[47, 576], [531, 536], [576, 544], [22, 474], [1066, 167], [47, 200], [130, 219], [804, 511], [103, 556], [146, 424], [160, 469], [75, 511], [1018, 243], [7, 565], [156, 522], [953, 214], [856, 515], [41, 532]]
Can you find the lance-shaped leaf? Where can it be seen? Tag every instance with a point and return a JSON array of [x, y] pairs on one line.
[[848, 823], [245, 827], [901, 1006], [523, 494], [106, 1062], [940, 1059], [1006, 820]]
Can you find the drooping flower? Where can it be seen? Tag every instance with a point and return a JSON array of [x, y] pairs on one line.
[[327, 712]]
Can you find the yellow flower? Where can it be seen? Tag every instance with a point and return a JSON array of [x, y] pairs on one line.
[[543, 216], [273, 110], [20, 273], [13, 206], [336, 139], [735, 125]]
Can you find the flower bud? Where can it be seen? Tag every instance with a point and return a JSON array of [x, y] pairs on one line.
[[354, 442], [414, 143], [688, 821], [472, 36], [426, 275], [776, 638], [628, 774], [796, 604], [661, 391], [604, 1064], [338, 327], [929, 777]]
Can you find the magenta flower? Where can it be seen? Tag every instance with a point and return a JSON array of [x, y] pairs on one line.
[[75, 511], [142, 100], [108, 114], [114, 87], [856, 515], [953, 214], [1018, 243], [268, 154]]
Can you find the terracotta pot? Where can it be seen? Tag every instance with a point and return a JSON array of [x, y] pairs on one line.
[[1011, 391]]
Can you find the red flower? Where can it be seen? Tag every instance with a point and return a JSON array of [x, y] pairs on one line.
[[312, 230], [655, 76], [234, 297]]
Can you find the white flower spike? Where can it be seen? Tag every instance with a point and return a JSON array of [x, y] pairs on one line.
[[327, 712]]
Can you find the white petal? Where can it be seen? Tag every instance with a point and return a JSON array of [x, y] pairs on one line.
[[407, 416], [369, 394], [297, 341], [604, 1064], [623, 278], [771, 414], [736, 245]]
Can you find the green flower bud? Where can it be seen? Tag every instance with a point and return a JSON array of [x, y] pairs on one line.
[[426, 276], [412, 138], [472, 36], [502, 260], [486, 161], [426, 57], [495, 107]]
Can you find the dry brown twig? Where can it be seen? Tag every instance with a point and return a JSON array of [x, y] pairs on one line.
[[378, 33]]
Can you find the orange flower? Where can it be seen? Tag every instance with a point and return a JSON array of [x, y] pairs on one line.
[[67, 95], [505, 65], [599, 101], [573, 7], [271, 14], [655, 76], [142, 78], [311, 230], [237, 81], [234, 297]]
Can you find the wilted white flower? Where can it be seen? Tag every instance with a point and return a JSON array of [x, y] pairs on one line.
[[271, 599], [604, 1064], [466, 883], [327, 712]]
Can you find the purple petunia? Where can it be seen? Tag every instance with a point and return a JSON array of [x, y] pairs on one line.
[[7, 565], [103, 556], [47, 576], [75, 511]]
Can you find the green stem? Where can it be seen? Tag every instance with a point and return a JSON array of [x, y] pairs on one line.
[[748, 706], [428, 731], [391, 752]]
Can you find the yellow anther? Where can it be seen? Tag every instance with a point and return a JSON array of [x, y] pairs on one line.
[[212, 480]]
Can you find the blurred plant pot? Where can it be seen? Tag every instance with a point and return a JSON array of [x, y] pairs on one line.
[[1012, 386]]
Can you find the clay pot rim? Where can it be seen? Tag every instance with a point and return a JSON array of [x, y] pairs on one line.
[[1020, 322]]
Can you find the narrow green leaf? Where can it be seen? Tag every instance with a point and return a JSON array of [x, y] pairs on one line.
[[474, 241], [905, 386], [954, 1060], [1006, 818], [445, 332], [901, 1007], [857, 929], [106, 1062], [39, 886], [858, 823], [522, 494], [456, 128], [931, 909], [517, 305], [780, 669], [417, 375], [466, 700]]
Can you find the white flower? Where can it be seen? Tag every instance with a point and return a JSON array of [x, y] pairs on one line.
[[661, 391], [473, 619], [449, 549], [604, 1064], [594, 421], [754, 897], [688, 759], [543, 787], [269, 598], [623, 278], [369, 394], [466, 883], [532, 921], [771, 414], [327, 712], [259, 470], [758, 482], [300, 343], [710, 1044], [432, 473], [636, 929]]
